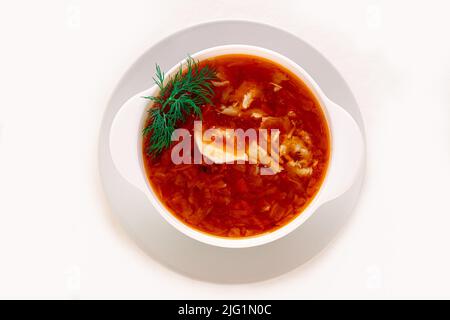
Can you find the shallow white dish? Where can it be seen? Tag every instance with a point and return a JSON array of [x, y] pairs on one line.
[[163, 242], [345, 158]]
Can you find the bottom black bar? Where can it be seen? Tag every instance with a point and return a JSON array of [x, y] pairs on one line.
[[222, 309]]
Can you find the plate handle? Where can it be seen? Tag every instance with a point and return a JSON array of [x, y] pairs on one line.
[[347, 152], [125, 139]]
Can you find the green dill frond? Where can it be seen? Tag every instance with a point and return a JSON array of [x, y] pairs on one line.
[[184, 93], [159, 80]]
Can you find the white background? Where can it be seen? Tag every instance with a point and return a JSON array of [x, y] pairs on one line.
[[60, 61]]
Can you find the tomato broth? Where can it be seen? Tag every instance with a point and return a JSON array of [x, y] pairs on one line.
[[236, 200]]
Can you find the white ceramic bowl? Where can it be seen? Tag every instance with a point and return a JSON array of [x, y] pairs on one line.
[[346, 154]]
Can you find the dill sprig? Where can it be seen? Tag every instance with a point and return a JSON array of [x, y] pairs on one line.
[[182, 94]]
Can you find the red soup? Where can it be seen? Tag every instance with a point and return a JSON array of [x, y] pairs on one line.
[[236, 200]]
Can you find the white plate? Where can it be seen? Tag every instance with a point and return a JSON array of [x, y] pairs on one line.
[[164, 243]]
